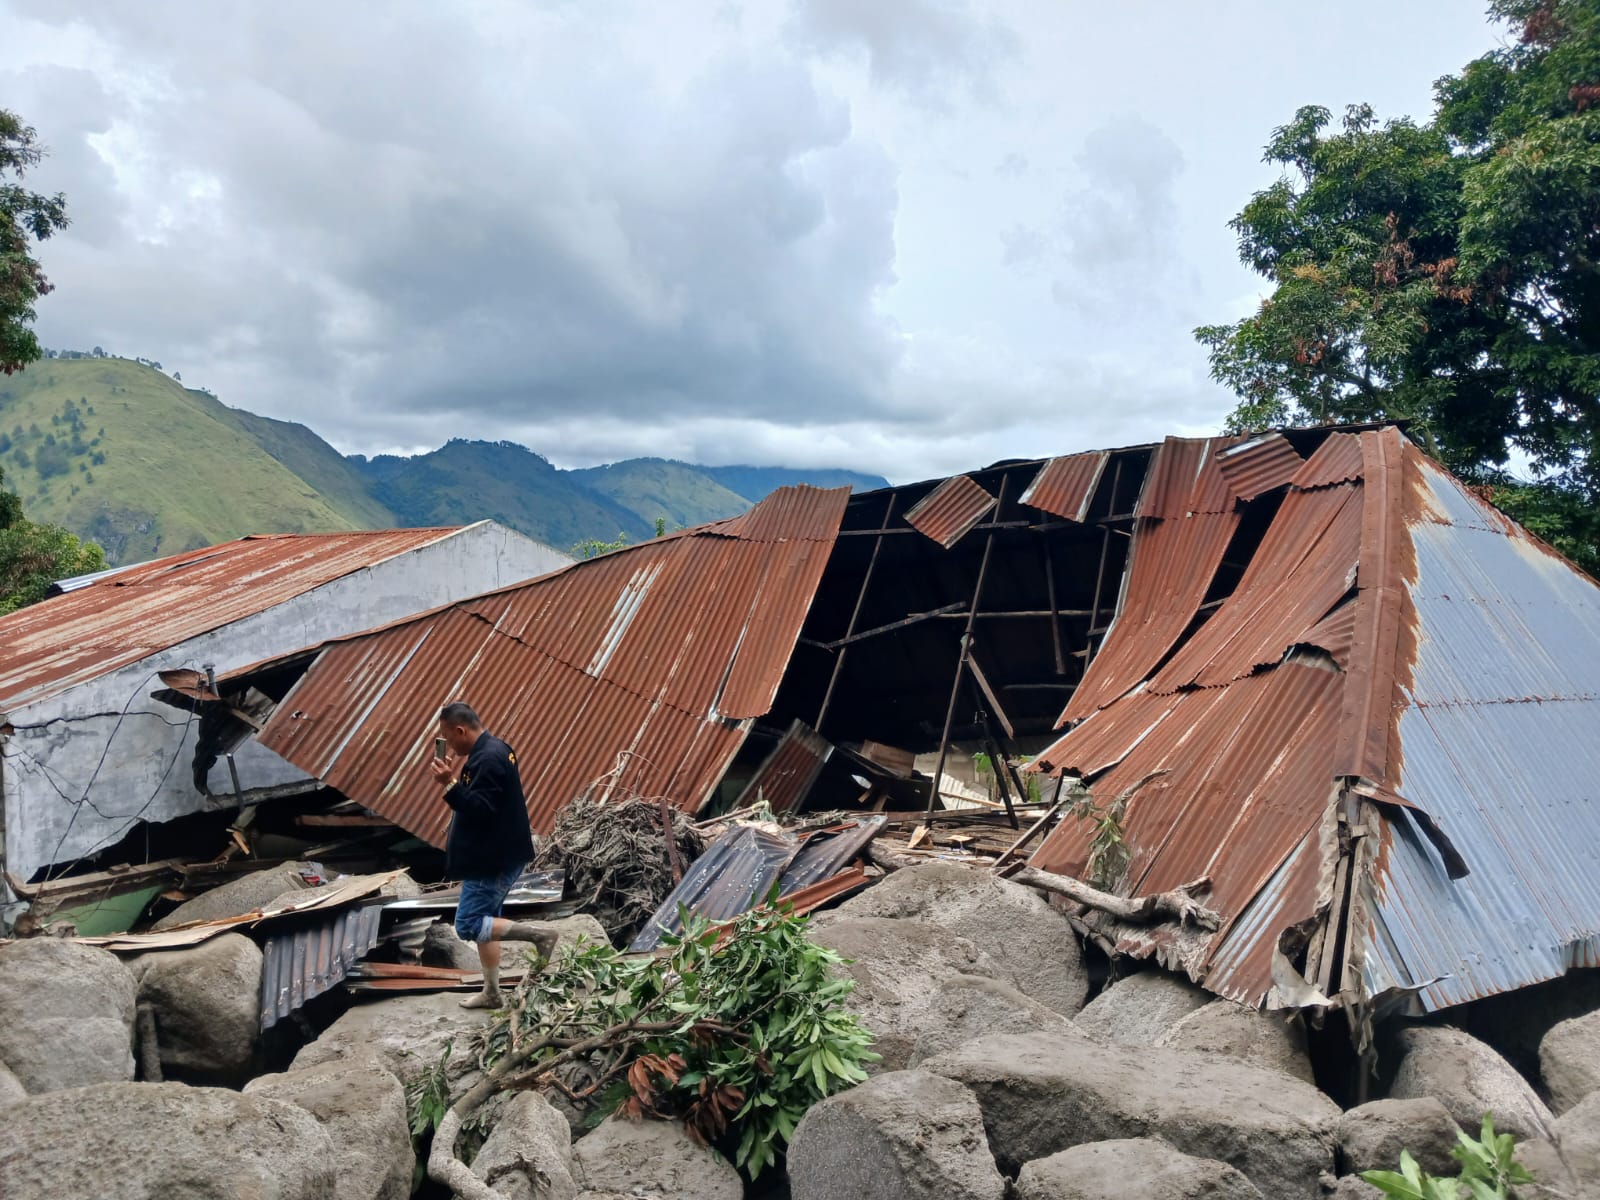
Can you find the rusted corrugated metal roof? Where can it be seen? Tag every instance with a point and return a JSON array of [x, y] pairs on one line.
[[1065, 486], [949, 512], [1458, 691], [1255, 467], [643, 666], [127, 614], [1185, 478], [785, 778]]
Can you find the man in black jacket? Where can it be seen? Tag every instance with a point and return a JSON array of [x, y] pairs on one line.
[[489, 842]]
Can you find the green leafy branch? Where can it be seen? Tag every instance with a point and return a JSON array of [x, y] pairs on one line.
[[1489, 1170]]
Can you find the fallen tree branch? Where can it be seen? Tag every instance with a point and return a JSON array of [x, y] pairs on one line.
[[1179, 904]]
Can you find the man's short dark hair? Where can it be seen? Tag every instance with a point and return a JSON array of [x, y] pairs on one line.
[[457, 713]]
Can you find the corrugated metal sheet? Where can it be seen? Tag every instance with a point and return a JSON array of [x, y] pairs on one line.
[[1065, 486], [1185, 478], [737, 872], [1335, 633], [135, 611], [1173, 564], [948, 513], [1337, 460], [300, 965], [643, 666], [1497, 744], [1258, 466], [789, 772]]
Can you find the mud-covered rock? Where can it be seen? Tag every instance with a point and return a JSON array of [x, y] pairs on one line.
[[1141, 1009], [528, 1155], [66, 1015], [1148, 1168], [652, 1158], [207, 1002], [246, 894], [1266, 1039], [407, 1033], [966, 1007], [1469, 1078], [1371, 1136], [1569, 1061]]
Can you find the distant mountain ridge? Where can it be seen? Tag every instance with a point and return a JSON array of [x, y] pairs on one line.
[[118, 451]]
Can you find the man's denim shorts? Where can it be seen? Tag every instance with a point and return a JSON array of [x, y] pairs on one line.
[[481, 902]]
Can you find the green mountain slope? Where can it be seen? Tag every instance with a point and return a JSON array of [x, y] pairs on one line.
[[468, 481], [755, 483], [336, 478], [652, 488], [120, 453]]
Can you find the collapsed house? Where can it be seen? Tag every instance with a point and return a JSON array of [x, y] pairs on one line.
[[86, 754], [1358, 695]]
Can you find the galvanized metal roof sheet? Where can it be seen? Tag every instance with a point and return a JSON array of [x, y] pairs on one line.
[[635, 672], [1065, 486], [122, 616], [948, 513], [1259, 465]]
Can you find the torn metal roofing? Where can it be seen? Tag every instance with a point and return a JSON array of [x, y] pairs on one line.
[[634, 673], [1379, 747], [117, 617], [948, 513], [1260, 465], [1065, 486], [302, 964]]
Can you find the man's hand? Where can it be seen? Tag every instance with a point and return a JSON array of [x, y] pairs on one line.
[[445, 770]]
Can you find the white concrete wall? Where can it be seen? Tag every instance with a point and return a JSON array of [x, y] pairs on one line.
[[61, 803]]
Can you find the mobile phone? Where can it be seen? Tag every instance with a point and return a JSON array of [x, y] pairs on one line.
[[438, 747]]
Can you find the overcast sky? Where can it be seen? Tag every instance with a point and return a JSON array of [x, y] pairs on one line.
[[907, 236]]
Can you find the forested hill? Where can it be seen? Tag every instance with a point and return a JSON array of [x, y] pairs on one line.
[[119, 451]]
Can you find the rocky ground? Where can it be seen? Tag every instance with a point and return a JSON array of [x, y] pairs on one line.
[[998, 1080]]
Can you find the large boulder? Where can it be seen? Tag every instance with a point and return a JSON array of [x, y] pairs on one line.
[[1578, 1132], [1266, 1039], [442, 947], [207, 1002], [898, 967], [1031, 945], [1569, 1061], [163, 1141], [1044, 1093], [362, 1107], [407, 1033], [246, 894], [1353, 1187], [904, 1135], [1469, 1079], [1553, 1178], [66, 1015], [1141, 1009], [965, 1007], [1372, 1136], [529, 1152], [1515, 1022], [1145, 1167], [652, 1158]]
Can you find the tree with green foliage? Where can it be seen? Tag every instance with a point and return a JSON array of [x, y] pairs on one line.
[[32, 557], [1445, 272], [25, 217]]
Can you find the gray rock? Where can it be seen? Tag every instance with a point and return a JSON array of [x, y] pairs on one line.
[[1515, 1022], [1140, 1009], [66, 1015], [408, 1034], [897, 967], [1469, 1079], [1031, 945], [529, 1152], [443, 947], [207, 1002], [1266, 1039], [1045, 1093], [363, 1108], [965, 1007], [1353, 1187], [1552, 1177], [1569, 1061], [1578, 1131], [257, 890], [163, 1141], [904, 1135], [1145, 1167], [1372, 1136], [11, 1089], [569, 929], [653, 1158]]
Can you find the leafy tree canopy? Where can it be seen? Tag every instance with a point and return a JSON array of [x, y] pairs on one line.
[[32, 557], [1447, 272], [25, 217]]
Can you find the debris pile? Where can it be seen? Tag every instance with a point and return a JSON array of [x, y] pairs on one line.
[[617, 859]]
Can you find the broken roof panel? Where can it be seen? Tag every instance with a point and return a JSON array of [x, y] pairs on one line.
[[1259, 465], [1337, 460], [118, 617], [948, 513], [640, 670], [789, 772], [1065, 487], [1185, 478]]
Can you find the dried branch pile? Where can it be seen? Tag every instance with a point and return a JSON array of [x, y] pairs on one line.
[[616, 859]]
